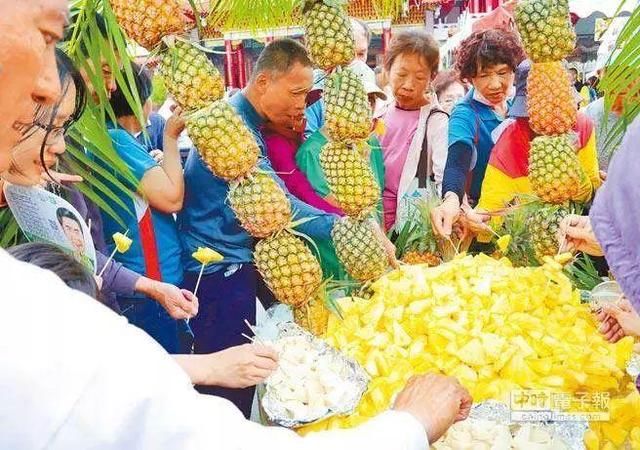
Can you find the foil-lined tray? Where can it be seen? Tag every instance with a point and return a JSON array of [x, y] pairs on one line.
[[571, 433], [348, 369], [633, 366]]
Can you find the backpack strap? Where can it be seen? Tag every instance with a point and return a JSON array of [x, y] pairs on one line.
[[422, 173]]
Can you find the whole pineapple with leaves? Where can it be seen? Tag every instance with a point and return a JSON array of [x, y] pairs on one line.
[[359, 249], [223, 140], [288, 268], [554, 170], [260, 205], [147, 21], [552, 108], [415, 240], [192, 79], [544, 222], [348, 112], [328, 33], [545, 29], [350, 178]]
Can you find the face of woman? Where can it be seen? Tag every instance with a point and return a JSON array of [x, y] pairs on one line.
[[26, 168], [410, 78], [494, 82], [450, 96]]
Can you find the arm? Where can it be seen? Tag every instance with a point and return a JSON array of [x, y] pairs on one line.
[[281, 154], [116, 278], [235, 367], [457, 169], [163, 186], [439, 149]]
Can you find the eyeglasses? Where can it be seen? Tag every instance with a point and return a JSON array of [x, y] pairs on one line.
[[53, 134]]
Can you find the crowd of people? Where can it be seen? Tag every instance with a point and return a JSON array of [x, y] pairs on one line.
[[78, 375]]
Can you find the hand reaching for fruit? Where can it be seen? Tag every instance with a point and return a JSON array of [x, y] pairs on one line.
[[436, 401], [619, 320], [577, 235]]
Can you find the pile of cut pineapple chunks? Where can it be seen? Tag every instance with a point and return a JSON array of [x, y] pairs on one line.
[[496, 328]]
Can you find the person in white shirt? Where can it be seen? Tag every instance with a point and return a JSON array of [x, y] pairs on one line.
[[74, 375]]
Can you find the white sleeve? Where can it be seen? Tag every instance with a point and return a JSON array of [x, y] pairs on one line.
[[74, 375], [438, 140]]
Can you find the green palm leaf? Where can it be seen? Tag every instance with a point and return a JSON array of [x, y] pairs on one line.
[[621, 78]]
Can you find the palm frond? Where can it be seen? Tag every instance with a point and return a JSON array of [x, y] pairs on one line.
[[620, 78]]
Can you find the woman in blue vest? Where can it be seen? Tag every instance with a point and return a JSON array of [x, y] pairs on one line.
[[487, 60]]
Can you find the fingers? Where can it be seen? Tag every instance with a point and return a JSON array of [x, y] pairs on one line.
[[191, 297], [265, 352], [267, 364]]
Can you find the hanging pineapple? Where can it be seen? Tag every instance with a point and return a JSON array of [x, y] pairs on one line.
[[223, 140], [260, 205], [288, 268], [545, 28], [552, 108], [554, 170], [148, 21], [349, 178], [348, 112], [328, 33], [359, 249], [189, 75]]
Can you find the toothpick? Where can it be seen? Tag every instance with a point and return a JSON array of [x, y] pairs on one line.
[[195, 290], [113, 253], [455, 249], [246, 336], [562, 244]]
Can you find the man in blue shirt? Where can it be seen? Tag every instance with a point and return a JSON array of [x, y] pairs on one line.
[[276, 92]]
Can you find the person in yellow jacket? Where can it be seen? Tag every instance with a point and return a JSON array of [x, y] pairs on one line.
[[507, 172]]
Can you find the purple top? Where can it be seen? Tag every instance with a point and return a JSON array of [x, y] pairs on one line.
[[615, 217]]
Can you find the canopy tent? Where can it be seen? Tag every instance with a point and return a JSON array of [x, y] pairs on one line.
[[584, 8]]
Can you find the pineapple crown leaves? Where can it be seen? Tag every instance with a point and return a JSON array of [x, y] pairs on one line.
[[305, 5], [583, 273], [326, 291]]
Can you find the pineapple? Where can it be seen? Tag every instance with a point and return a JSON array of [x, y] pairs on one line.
[[554, 170], [359, 249], [418, 257], [544, 223], [260, 204], [348, 114], [545, 29], [350, 178], [552, 108], [328, 34], [190, 76], [288, 268], [225, 143], [148, 21], [520, 250], [313, 315], [415, 239]]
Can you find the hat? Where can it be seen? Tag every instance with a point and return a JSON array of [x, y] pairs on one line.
[[360, 68], [519, 106], [368, 77]]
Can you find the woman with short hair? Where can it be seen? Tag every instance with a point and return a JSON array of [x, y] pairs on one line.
[[488, 60], [414, 142]]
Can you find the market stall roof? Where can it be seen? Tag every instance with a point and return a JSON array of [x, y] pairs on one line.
[[584, 8], [499, 18]]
